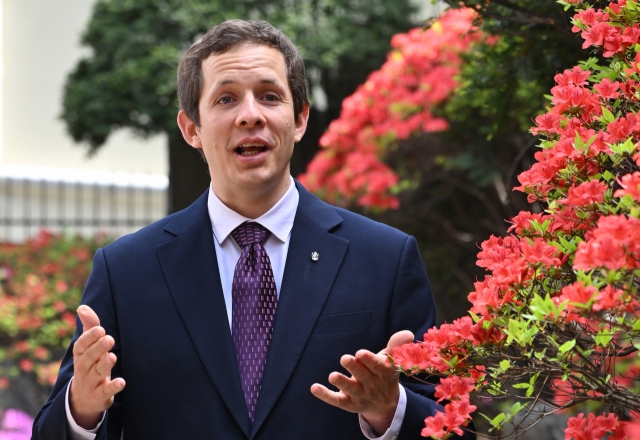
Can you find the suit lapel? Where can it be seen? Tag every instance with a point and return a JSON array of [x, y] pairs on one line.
[[190, 268], [305, 287]]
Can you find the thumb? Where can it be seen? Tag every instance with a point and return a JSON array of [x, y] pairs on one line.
[[399, 338], [88, 317]]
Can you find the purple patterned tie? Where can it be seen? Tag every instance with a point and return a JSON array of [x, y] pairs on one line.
[[254, 303]]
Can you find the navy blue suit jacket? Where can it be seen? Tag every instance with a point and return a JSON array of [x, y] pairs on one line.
[[158, 293]]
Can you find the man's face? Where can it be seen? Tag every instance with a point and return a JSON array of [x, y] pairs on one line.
[[247, 126]]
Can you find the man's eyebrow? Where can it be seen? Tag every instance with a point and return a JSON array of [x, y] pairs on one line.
[[225, 82]]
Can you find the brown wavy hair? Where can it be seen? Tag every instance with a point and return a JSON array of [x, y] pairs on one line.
[[226, 36]]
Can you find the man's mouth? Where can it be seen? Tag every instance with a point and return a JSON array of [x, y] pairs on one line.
[[250, 149]]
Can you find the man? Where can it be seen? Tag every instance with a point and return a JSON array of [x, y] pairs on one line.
[[195, 328]]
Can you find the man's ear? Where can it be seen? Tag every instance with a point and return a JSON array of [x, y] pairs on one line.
[[301, 123], [189, 129]]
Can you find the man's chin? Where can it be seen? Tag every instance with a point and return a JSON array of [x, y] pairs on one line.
[[257, 181]]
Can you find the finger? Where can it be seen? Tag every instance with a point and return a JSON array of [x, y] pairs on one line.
[[87, 339], [88, 317], [331, 397], [104, 366], [358, 370], [85, 363], [97, 351], [399, 338], [111, 387], [345, 384], [375, 363]]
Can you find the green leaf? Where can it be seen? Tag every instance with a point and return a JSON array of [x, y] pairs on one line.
[[452, 362], [578, 143], [542, 308], [626, 201], [534, 378], [628, 146], [505, 364], [487, 418], [603, 338], [567, 346], [517, 407], [497, 421], [608, 176], [607, 116], [493, 392], [570, 246], [530, 391], [558, 246], [540, 227]]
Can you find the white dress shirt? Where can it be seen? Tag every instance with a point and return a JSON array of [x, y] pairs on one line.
[[279, 221]]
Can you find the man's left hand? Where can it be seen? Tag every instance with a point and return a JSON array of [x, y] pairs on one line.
[[372, 390]]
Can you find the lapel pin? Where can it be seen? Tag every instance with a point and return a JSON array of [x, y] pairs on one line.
[[315, 256]]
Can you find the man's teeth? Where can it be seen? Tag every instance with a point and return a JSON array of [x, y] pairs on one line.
[[250, 150]]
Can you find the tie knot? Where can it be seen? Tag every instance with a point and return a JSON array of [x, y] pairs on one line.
[[249, 233]]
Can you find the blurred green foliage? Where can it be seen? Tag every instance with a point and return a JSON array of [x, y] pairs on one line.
[[503, 85]]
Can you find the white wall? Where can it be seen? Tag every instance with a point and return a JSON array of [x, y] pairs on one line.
[[40, 46]]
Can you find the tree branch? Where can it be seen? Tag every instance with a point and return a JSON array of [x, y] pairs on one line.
[[507, 4], [524, 20]]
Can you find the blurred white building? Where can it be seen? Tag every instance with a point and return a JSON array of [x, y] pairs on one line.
[[40, 46], [45, 178], [43, 173]]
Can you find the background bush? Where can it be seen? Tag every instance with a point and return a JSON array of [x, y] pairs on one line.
[[41, 283]]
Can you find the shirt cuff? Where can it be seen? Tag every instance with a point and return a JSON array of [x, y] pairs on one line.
[[77, 432], [396, 423]]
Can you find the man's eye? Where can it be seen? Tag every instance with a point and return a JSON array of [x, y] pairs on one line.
[[271, 97]]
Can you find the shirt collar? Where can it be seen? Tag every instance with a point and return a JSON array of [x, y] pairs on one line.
[[278, 220]]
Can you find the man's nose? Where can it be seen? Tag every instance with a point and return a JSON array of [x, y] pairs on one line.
[[250, 113]]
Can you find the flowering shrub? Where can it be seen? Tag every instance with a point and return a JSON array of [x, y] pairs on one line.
[[41, 283], [556, 319], [15, 425], [395, 102]]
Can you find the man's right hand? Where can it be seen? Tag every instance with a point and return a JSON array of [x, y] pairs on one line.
[[92, 389]]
